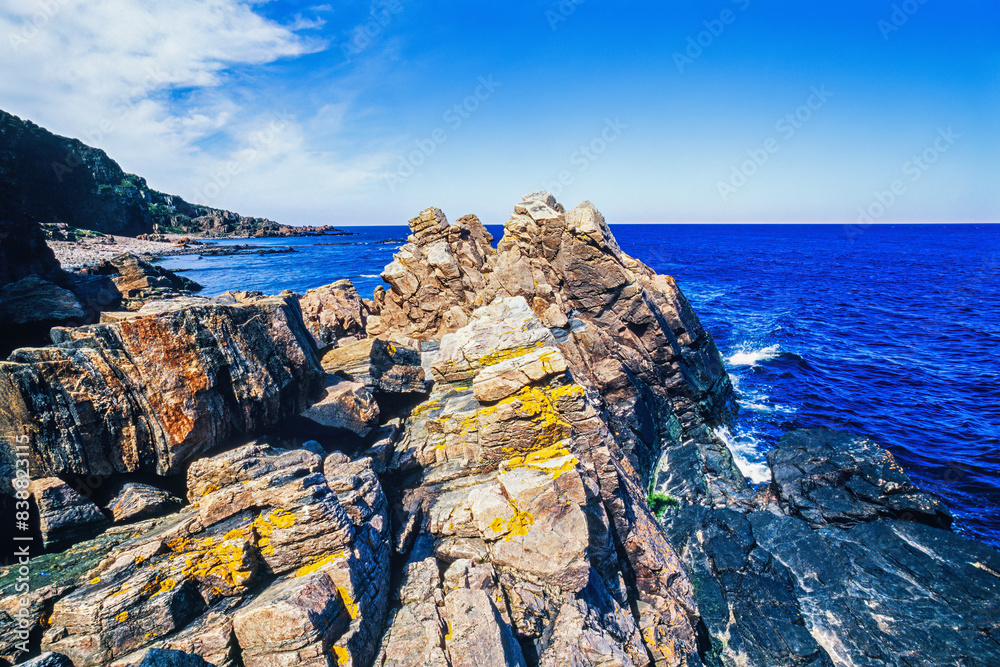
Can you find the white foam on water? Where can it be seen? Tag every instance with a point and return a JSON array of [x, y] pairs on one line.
[[368, 275], [747, 453], [750, 357]]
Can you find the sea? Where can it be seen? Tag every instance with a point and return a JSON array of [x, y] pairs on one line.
[[887, 331]]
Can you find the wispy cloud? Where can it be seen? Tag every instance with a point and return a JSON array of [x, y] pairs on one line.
[[167, 88]]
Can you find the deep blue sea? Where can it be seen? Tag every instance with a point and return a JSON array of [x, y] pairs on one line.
[[891, 331]]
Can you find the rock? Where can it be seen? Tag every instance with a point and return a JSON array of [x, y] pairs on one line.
[[627, 334], [159, 657], [135, 502], [272, 561], [152, 390], [140, 282], [346, 406], [434, 279], [384, 367], [534, 486], [477, 634], [832, 478], [836, 582], [334, 314], [49, 659], [63, 514], [33, 300]]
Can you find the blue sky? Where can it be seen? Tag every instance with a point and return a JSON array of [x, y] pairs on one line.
[[367, 112]]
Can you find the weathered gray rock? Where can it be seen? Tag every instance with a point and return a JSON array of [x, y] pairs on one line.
[[835, 582], [34, 300], [64, 516], [191, 582], [152, 390], [135, 501], [382, 366], [829, 477], [334, 314], [49, 659], [159, 657]]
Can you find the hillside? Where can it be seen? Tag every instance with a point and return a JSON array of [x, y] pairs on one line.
[[45, 177]]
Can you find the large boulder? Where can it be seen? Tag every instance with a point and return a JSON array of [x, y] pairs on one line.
[[152, 390], [140, 282], [335, 314]]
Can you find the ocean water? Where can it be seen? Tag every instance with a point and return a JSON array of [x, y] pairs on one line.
[[892, 332]]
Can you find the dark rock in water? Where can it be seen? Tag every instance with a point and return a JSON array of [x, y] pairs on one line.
[[159, 657], [334, 314], [828, 477], [835, 582], [135, 501], [49, 659], [63, 514], [152, 390]]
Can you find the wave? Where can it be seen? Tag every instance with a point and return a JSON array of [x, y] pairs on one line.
[[751, 357], [368, 275], [748, 453]]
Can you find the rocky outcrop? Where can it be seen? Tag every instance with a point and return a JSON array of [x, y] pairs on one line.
[[434, 280], [151, 390], [281, 556], [334, 314], [528, 483], [628, 334], [828, 578], [478, 491], [140, 282]]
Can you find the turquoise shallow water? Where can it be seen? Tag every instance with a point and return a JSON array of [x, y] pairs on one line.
[[891, 331]]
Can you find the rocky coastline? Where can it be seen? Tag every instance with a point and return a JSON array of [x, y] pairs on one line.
[[507, 456]]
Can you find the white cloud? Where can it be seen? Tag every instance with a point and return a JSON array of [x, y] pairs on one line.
[[167, 88]]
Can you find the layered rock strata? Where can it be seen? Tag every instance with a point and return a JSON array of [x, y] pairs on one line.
[[149, 391], [479, 495]]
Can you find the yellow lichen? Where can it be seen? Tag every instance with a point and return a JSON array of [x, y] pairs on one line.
[[208, 488], [349, 603], [555, 460], [447, 637], [95, 580], [342, 655], [425, 407], [494, 358], [122, 617], [319, 564]]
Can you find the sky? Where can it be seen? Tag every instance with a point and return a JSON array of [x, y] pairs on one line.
[[367, 112]]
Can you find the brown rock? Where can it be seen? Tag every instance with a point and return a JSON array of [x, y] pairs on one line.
[[334, 314], [153, 390], [63, 514]]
